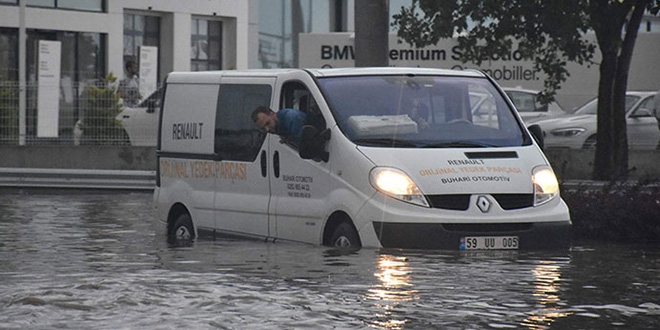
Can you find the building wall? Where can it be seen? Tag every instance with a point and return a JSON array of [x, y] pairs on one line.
[[175, 16]]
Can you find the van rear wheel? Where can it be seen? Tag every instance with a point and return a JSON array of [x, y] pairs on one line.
[[344, 236], [182, 228]]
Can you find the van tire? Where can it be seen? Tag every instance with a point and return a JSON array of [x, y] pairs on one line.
[[182, 229], [345, 236]]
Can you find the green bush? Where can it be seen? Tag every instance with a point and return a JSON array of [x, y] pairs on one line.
[[100, 106], [619, 211]]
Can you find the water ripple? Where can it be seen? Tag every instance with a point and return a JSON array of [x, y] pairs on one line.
[[93, 261]]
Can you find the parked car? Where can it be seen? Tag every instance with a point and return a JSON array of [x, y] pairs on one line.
[[529, 108], [578, 130], [141, 122]]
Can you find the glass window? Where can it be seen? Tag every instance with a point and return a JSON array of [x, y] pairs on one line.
[[422, 112], [525, 102], [281, 21], [8, 85], [205, 45], [88, 5], [8, 54], [646, 106], [591, 107], [41, 3], [82, 65], [236, 137], [295, 95], [140, 30]]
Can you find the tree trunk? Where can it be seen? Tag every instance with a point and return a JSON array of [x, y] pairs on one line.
[[609, 20], [371, 33], [604, 160], [620, 87]]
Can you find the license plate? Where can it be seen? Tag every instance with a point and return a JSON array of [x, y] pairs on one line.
[[489, 243]]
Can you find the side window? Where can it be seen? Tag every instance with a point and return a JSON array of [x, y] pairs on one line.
[[236, 138], [484, 109], [295, 95], [645, 109], [524, 102]]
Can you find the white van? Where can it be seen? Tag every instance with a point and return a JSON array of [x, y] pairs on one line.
[[365, 174]]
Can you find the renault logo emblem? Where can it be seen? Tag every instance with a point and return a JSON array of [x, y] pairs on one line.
[[483, 204]]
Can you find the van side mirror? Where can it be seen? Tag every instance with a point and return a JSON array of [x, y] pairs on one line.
[[312, 143], [537, 133]]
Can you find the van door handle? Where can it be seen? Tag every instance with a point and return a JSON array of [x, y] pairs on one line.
[[276, 164], [264, 161]]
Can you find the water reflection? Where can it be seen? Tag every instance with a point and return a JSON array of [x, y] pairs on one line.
[[393, 286], [546, 292], [467, 288]]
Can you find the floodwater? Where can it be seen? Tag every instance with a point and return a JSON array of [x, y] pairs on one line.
[[92, 260]]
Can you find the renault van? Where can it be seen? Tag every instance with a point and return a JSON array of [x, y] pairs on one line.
[[390, 158]]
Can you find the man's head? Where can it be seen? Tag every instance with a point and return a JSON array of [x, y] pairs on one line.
[[265, 118], [131, 67]]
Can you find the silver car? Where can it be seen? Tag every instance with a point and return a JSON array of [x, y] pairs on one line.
[[578, 130], [529, 108], [141, 122]]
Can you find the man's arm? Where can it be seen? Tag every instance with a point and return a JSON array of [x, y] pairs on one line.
[[293, 122]]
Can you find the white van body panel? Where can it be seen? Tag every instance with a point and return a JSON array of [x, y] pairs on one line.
[[301, 193], [190, 113], [509, 171], [187, 108], [275, 194]]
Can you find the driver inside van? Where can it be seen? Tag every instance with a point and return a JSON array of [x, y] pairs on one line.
[[287, 123], [419, 112]]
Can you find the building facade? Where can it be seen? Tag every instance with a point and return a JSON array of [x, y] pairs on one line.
[[58, 49], [86, 40]]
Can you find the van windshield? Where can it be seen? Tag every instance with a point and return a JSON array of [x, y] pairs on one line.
[[422, 111]]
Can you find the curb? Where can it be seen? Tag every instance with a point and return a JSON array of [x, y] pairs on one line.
[[77, 178]]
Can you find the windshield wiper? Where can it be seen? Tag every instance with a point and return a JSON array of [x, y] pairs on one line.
[[454, 144], [389, 142]]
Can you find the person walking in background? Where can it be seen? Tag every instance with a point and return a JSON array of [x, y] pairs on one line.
[[129, 87], [656, 112], [656, 107]]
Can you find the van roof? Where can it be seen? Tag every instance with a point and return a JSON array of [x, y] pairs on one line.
[[391, 71], [212, 77]]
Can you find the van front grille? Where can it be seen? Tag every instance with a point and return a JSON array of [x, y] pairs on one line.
[[461, 202], [514, 201], [457, 202]]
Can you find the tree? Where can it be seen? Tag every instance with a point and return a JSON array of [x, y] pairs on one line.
[[101, 107], [551, 33]]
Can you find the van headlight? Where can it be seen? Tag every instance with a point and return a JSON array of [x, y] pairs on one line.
[[397, 184], [546, 186]]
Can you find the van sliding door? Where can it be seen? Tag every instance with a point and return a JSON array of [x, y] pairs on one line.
[[242, 186], [300, 188]]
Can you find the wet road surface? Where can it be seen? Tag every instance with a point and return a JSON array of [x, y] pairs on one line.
[[92, 260]]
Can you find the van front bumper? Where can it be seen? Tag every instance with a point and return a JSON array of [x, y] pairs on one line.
[[432, 236]]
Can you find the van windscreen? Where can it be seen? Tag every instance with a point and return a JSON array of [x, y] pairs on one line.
[[422, 111]]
